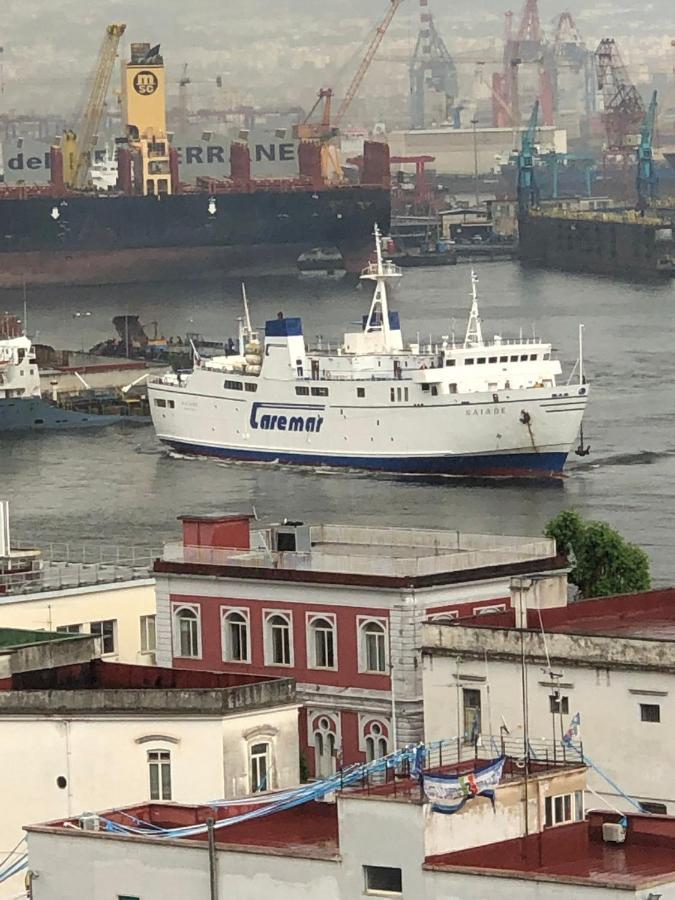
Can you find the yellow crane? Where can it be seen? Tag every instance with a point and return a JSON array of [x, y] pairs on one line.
[[78, 147]]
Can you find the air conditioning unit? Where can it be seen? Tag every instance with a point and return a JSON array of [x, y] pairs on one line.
[[90, 822], [613, 833]]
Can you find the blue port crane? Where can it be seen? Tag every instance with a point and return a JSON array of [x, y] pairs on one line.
[[527, 191], [646, 180]]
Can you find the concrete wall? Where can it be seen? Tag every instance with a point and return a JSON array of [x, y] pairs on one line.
[[104, 761], [125, 602], [607, 696], [453, 149], [105, 868]]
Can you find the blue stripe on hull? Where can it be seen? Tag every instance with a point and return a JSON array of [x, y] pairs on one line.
[[504, 464]]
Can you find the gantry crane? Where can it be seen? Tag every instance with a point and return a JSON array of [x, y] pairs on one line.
[[646, 173], [353, 88], [527, 191], [624, 110], [79, 146]]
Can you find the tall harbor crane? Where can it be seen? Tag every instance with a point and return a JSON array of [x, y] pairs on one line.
[[359, 75], [79, 146], [527, 191], [646, 173], [432, 75], [624, 110]]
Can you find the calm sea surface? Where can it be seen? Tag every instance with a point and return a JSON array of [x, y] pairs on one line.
[[116, 485]]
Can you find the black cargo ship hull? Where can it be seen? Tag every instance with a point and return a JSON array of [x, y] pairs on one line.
[[597, 244], [109, 239]]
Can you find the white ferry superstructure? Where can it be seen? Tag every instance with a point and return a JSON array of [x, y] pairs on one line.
[[490, 408]]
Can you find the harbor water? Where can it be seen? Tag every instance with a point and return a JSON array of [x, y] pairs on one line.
[[117, 486]]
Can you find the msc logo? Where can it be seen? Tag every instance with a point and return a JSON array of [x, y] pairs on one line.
[[145, 83]]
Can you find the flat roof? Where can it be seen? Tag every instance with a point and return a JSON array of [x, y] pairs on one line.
[[11, 638], [309, 831], [577, 853], [649, 615], [367, 555], [105, 687]]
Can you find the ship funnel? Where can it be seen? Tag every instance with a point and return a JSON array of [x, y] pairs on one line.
[[4, 528]]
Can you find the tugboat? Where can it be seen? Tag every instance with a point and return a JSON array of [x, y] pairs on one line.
[[22, 407], [479, 407]]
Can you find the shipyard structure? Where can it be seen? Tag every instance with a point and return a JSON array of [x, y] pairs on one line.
[[149, 224]]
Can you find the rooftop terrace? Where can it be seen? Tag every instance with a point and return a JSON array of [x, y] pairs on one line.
[[320, 551], [577, 853]]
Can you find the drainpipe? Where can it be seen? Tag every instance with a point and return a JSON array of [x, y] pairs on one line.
[[213, 872]]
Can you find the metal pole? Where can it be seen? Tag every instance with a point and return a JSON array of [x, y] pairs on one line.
[[474, 122], [213, 872]]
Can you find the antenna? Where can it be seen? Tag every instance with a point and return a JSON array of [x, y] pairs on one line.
[[25, 309], [474, 334]]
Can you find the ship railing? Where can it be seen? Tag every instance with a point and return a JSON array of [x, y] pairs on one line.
[[389, 268]]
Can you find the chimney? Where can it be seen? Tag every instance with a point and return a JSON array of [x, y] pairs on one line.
[[217, 532]]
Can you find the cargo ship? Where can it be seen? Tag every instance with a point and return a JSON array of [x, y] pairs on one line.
[[154, 226], [488, 408]]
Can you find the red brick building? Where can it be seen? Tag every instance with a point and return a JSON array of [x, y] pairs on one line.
[[338, 608]]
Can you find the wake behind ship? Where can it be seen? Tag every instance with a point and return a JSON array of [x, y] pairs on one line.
[[149, 225], [481, 408]]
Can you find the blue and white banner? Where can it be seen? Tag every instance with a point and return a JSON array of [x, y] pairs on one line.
[[572, 733], [449, 793]]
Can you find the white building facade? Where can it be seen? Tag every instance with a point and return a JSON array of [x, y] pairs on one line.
[[622, 687]]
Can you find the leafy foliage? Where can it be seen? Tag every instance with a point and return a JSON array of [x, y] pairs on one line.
[[603, 562]]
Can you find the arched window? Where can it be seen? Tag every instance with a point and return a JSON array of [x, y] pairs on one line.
[[260, 767], [235, 637], [187, 632], [322, 643], [377, 745], [324, 749], [374, 651], [279, 640]]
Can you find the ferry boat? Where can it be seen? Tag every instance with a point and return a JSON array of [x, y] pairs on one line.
[[22, 407], [478, 407]]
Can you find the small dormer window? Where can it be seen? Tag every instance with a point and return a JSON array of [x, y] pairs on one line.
[[523, 358], [450, 362], [468, 362], [481, 360], [493, 359], [503, 359], [533, 357], [514, 359]]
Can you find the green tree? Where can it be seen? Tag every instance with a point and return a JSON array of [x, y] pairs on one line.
[[603, 562]]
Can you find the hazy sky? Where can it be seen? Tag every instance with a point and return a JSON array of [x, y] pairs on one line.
[[264, 50]]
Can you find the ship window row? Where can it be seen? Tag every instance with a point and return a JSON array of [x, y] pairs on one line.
[[160, 401], [481, 360], [238, 637], [233, 385], [398, 395], [302, 391]]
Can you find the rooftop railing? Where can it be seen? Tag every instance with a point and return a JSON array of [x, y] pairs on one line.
[[63, 566]]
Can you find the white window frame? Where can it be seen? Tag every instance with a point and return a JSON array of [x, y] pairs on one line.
[[160, 757], [225, 613], [361, 623], [490, 609], [310, 619], [268, 643], [443, 618], [145, 643], [105, 652], [268, 756], [576, 808], [175, 611]]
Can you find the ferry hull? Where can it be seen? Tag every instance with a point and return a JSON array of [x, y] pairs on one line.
[[38, 415], [525, 464]]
